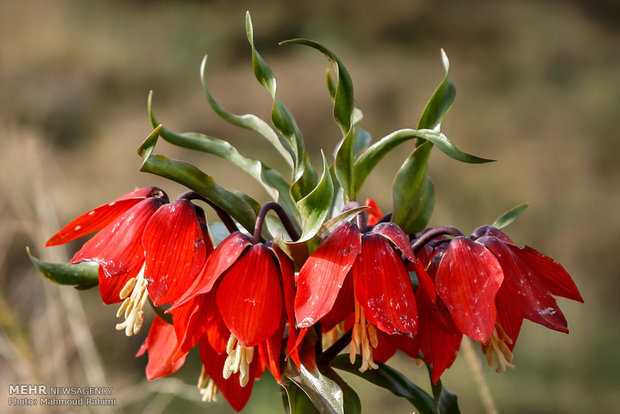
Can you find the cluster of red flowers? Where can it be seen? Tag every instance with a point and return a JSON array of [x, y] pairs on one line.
[[247, 308]]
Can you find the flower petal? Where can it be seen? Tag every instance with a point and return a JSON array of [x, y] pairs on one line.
[[383, 287], [374, 212], [397, 236], [162, 347], [226, 253], [525, 296], [323, 274], [174, 251], [288, 289], [249, 296], [99, 217], [118, 249], [550, 273], [213, 362], [468, 278]]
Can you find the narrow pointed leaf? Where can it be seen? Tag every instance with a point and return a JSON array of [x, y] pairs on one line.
[[324, 393], [343, 114], [271, 180], [413, 193], [509, 216], [82, 275], [193, 178], [440, 102], [343, 95], [297, 402], [249, 121], [314, 208], [370, 157], [390, 379]]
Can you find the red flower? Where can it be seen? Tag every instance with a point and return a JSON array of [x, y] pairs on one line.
[[530, 279], [117, 247], [241, 300], [361, 272], [467, 280], [163, 350]]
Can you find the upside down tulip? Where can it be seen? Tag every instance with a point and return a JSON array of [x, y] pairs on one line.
[[364, 274]]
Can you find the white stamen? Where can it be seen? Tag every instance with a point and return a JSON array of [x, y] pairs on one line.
[[208, 389], [238, 361], [134, 295], [496, 346], [364, 338]]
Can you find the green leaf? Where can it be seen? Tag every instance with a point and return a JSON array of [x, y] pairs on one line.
[[343, 114], [343, 94], [248, 121], [82, 275], [509, 216], [330, 225], [323, 392], [352, 403], [390, 379], [413, 192], [297, 402], [370, 157], [281, 117], [314, 208], [448, 402], [271, 180], [193, 178], [440, 102]]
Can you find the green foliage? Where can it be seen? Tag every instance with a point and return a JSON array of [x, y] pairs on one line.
[[82, 275], [509, 216]]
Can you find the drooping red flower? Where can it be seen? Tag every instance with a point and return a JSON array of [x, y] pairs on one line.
[[530, 278], [244, 292], [117, 247], [364, 273], [467, 280], [163, 350]]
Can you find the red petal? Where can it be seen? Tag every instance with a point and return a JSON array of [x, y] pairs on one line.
[[550, 273], [398, 237], [383, 287], [425, 283], [174, 250], [374, 212], [386, 348], [236, 395], [525, 296], [162, 347], [342, 308], [468, 278], [192, 319], [226, 253], [269, 352], [100, 217], [323, 274], [118, 249], [439, 339], [249, 296], [288, 288]]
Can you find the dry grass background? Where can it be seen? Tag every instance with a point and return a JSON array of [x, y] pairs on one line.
[[538, 89]]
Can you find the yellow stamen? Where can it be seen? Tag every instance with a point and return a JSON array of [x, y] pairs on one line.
[[331, 336], [238, 361], [206, 386], [134, 295], [363, 338], [496, 346]]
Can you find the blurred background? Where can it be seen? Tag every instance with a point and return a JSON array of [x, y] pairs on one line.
[[538, 89]]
